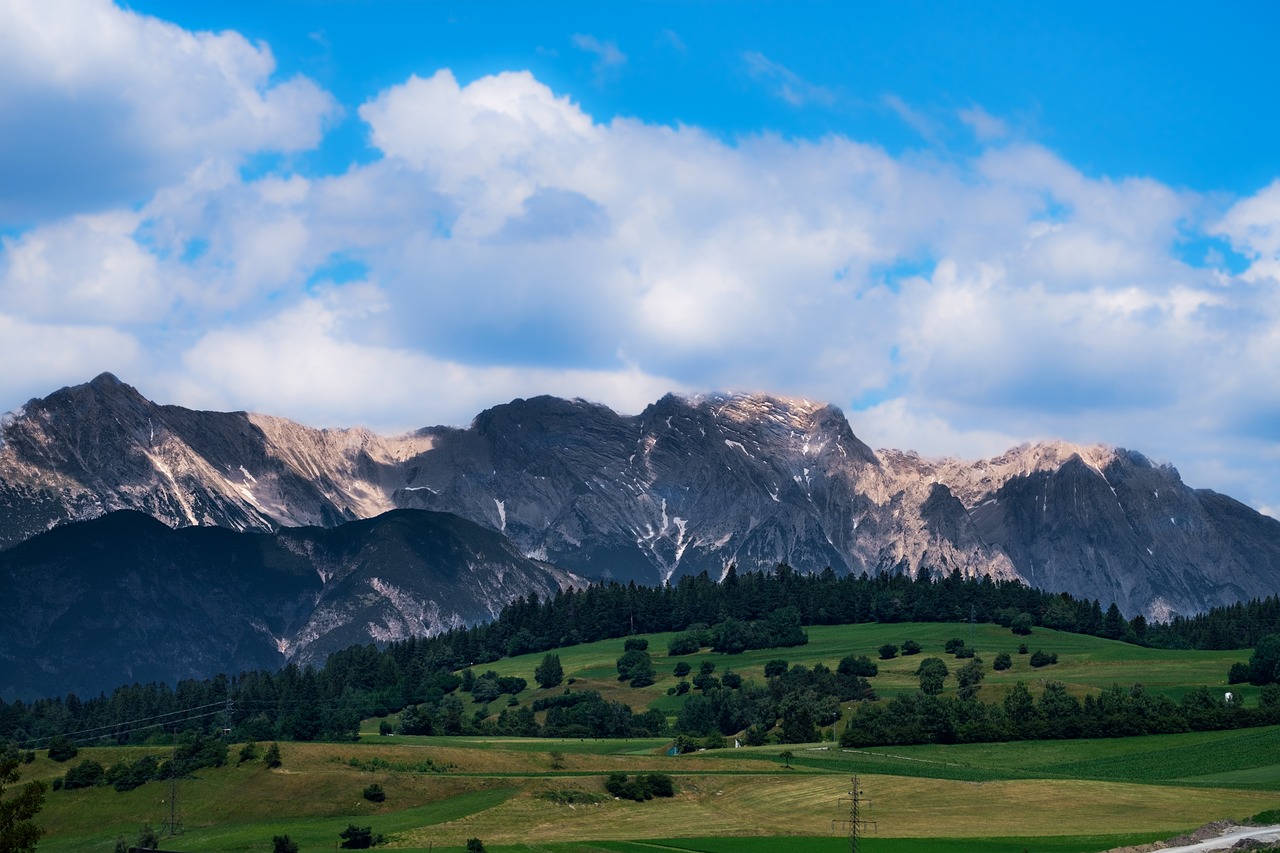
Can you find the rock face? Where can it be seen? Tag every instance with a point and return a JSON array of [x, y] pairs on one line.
[[124, 598], [685, 486]]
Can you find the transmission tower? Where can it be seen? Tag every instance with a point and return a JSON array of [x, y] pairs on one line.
[[173, 820], [855, 824]]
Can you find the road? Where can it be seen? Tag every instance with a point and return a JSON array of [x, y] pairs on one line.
[[1222, 842]]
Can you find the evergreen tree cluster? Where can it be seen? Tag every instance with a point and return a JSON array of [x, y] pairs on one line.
[[418, 675], [923, 717]]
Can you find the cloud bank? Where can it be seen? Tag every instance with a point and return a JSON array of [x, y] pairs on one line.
[[506, 243]]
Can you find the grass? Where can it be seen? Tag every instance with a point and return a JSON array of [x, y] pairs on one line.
[[989, 797], [1055, 796], [1086, 664]]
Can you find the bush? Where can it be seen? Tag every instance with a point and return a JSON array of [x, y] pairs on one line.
[[1021, 624], [910, 647], [644, 786], [475, 845], [964, 652], [1022, 649], [685, 644], [358, 837], [682, 669], [283, 844], [86, 774], [1040, 659], [272, 757], [860, 666], [775, 667], [635, 644], [1002, 662], [374, 793], [61, 749], [953, 644], [888, 651], [1238, 674]]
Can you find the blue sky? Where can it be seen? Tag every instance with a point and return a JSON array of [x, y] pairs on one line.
[[967, 225]]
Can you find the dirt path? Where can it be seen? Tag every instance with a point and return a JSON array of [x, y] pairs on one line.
[[1222, 842]]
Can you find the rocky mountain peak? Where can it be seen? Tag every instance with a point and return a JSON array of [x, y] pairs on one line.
[[690, 484]]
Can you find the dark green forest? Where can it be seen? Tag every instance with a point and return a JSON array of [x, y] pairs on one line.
[[420, 677]]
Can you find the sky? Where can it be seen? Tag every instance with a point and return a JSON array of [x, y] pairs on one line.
[[967, 225]]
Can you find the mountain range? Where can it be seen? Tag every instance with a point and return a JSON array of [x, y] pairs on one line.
[[568, 489]]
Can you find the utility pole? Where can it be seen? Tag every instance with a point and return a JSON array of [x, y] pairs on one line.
[[855, 823], [173, 823]]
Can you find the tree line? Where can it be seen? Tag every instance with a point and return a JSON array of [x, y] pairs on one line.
[[744, 610]]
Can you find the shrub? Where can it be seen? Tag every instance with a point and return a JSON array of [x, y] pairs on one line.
[[1022, 648], [910, 647], [775, 667], [1040, 659], [888, 651], [1021, 624], [283, 844], [682, 669], [86, 774], [475, 845], [644, 786], [374, 793], [1002, 662], [635, 644], [1238, 674], [357, 837], [953, 644], [272, 757], [964, 652], [860, 666], [61, 749], [249, 752]]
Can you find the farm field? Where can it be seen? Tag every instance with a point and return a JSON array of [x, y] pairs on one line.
[[1067, 796], [1056, 796]]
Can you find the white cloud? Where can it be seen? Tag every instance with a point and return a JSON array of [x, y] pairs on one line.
[[607, 54], [88, 269], [308, 361], [41, 357], [507, 244], [101, 105], [785, 83], [1253, 227], [985, 126]]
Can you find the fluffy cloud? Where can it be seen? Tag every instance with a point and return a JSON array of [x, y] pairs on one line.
[[312, 361], [507, 244], [101, 105]]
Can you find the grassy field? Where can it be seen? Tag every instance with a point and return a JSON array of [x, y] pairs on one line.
[[1058, 796], [1054, 796], [1085, 664]]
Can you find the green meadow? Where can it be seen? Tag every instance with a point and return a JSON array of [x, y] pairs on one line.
[[1053, 796]]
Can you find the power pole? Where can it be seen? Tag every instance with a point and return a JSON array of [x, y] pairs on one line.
[[173, 823], [855, 823]]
